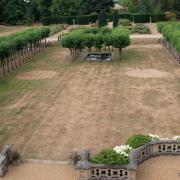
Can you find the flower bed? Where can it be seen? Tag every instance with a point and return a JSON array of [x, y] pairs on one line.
[[121, 162]]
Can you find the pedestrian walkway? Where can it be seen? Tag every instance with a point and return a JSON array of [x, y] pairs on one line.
[[34, 171]]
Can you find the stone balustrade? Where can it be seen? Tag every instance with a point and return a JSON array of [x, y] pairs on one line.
[[90, 171], [7, 157]]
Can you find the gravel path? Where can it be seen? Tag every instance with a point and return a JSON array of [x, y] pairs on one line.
[[160, 168], [28, 171]]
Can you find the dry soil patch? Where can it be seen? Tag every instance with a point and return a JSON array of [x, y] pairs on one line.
[[37, 75], [147, 73]]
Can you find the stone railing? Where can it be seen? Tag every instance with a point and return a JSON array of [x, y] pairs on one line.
[[90, 171], [7, 157]]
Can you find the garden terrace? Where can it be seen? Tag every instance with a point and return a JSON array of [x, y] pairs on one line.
[[51, 101], [87, 170]]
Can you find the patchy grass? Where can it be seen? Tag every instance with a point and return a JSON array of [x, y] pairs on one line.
[[6, 30], [88, 105]]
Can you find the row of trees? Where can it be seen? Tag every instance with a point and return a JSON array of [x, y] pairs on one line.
[[17, 48], [15, 11], [79, 39], [151, 6], [171, 37]]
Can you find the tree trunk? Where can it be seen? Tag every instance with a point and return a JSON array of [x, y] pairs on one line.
[[7, 64], [120, 53], [19, 58], [11, 61], [14, 59]]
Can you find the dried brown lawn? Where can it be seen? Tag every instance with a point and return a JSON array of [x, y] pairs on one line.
[[88, 105]]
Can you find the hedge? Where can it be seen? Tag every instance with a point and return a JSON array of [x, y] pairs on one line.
[[171, 33], [86, 19], [144, 18]]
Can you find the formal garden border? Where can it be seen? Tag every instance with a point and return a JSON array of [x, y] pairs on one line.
[[171, 37], [172, 50], [90, 171]]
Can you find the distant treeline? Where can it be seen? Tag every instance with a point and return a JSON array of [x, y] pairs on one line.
[[21, 11], [151, 6]]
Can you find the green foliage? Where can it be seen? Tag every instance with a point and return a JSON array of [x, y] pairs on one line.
[[160, 26], [168, 32], [105, 30], [94, 37], [120, 37], [110, 157], [12, 43], [102, 20], [140, 29], [13, 12], [145, 17], [170, 15], [115, 19], [138, 140], [125, 22], [98, 40], [55, 29]]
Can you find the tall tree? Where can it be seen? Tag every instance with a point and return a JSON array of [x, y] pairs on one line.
[[45, 7], [14, 11], [99, 5], [68, 7]]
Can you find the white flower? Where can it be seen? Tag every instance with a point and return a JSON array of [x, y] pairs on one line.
[[165, 139], [154, 137], [176, 138], [123, 149]]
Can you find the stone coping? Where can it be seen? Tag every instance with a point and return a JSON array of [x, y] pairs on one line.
[[85, 164]]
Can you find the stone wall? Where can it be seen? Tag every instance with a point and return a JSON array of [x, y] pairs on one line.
[[90, 171]]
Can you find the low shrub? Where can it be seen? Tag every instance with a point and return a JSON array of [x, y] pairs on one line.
[[170, 15], [110, 157], [160, 26], [138, 140], [125, 22], [55, 29], [140, 29]]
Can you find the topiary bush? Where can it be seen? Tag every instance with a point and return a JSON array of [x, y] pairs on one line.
[[110, 157], [125, 22], [138, 140]]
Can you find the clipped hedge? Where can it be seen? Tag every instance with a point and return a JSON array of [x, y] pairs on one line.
[[171, 33], [86, 19], [138, 140], [144, 18]]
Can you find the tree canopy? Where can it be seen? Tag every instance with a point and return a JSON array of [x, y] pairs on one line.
[[14, 11], [151, 6]]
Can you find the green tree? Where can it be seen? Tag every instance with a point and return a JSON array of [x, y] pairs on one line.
[[14, 11], [99, 5], [115, 19]]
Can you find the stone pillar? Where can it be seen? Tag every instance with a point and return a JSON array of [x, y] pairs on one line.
[[132, 174], [83, 174], [83, 166]]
